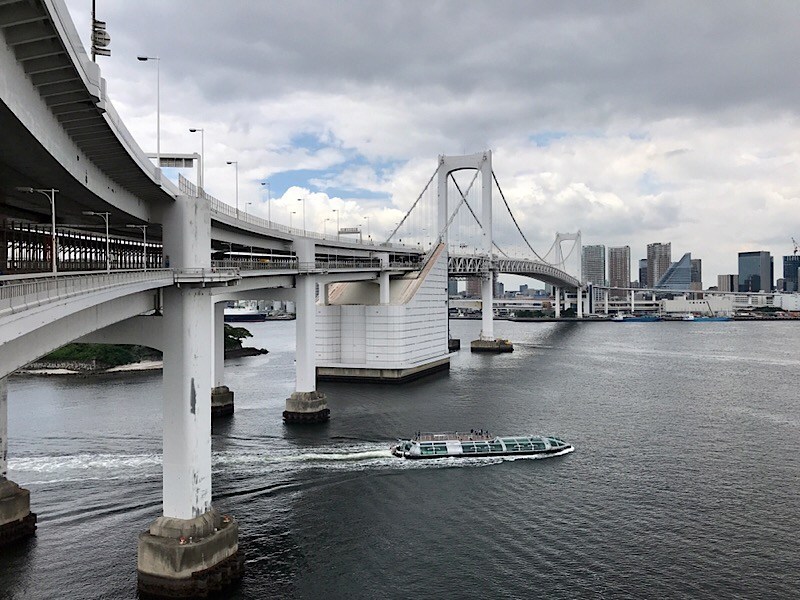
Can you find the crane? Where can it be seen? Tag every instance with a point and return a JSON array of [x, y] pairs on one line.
[[794, 241]]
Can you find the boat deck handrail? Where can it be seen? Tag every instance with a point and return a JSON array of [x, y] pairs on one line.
[[466, 436]]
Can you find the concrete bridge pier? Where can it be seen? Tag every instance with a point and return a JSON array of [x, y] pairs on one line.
[[557, 293], [487, 342], [192, 549], [579, 300], [16, 519], [306, 404], [221, 394]]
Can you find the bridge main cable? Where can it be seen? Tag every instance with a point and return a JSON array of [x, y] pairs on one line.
[[400, 224], [513, 218]]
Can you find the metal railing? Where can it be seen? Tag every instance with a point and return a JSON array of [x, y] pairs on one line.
[[28, 292]]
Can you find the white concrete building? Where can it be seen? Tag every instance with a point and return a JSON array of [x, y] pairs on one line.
[[361, 338]]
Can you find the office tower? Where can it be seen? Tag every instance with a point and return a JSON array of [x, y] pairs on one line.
[[594, 264], [678, 276], [452, 287], [697, 274], [659, 259], [474, 287], [642, 272], [619, 269], [523, 289], [755, 271], [790, 266], [728, 283]]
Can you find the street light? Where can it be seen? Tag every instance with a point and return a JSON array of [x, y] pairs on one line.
[[158, 104], [104, 216], [144, 241], [245, 207], [336, 210], [202, 155], [369, 237], [325, 227], [303, 200], [269, 204], [294, 212], [236, 163], [51, 196]]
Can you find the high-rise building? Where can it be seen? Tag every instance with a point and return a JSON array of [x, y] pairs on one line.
[[790, 266], [659, 259], [619, 269], [728, 283], [642, 272], [755, 271], [474, 287], [678, 276], [697, 274], [452, 287], [593, 264]]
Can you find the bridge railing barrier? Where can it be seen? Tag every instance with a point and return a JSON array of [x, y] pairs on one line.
[[19, 294], [257, 264]]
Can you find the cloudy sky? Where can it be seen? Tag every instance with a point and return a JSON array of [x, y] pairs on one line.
[[635, 122]]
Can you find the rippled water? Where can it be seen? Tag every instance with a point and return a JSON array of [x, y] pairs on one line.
[[683, 482]]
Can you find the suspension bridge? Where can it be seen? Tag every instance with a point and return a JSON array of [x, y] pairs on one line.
[[97, 245]]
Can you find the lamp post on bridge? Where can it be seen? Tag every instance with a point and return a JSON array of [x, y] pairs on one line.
[[336, 210], [369, 237], [158, 104], [290, 218], [144, 241], [202, 155], [236, 163], [50, 194], [325, 227], [269, 204], [303, 200], [104, 216]]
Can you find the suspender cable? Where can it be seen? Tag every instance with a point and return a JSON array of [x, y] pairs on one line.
[[400, 224], [508, 208]]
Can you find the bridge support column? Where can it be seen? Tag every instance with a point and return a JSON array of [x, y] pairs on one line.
[[306, 404], [16, 519], [557, 292], [192, 549], [605, 300], [221, 394], [487, 341], [383, 280], [580, 303], [633, 302]]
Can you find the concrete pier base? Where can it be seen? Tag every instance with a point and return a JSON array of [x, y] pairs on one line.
[[496, 346], [379, 375], [189, 558], [16, 519], [306, 407], [221, 401]]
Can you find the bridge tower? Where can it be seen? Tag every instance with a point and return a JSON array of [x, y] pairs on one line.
[[481, 162]]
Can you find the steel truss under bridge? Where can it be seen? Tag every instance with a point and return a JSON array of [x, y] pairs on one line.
[[471, 266]]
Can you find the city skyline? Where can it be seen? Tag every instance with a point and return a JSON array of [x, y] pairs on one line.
[[695, 149]]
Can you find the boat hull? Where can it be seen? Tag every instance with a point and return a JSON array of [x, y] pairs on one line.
[[254, 318]]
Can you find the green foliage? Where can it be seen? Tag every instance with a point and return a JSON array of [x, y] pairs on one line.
[[536, 314], [114, 355], [108, 354], [234, 336]]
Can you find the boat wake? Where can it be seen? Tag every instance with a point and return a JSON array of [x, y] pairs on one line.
[[87, 467]]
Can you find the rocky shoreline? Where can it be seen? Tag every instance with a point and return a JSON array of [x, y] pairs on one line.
[[93, 368]]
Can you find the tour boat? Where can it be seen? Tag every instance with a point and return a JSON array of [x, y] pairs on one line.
[[243, 314], [465, 445]]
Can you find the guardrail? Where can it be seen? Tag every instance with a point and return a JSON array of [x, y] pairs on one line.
[[26, 293]]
